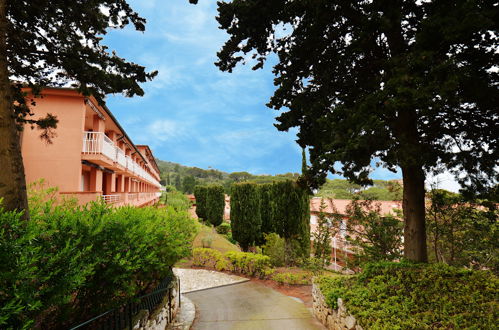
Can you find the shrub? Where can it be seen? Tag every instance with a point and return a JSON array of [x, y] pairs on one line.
[[223, 229], [381, 235], [246, 263], [408, 296], [68, 264], [205, 257], [178, 200], [266, 210], [300, 278], [274, 247]]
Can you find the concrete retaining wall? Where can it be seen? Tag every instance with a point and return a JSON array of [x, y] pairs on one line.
[[332, 319]]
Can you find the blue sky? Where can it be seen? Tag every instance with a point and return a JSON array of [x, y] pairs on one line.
[[192, 113]]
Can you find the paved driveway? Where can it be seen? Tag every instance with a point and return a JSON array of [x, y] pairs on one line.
[[249, 305]]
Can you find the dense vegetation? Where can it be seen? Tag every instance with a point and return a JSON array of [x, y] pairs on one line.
[[416, 296], [210, 203], [70, 263], [462, 232], [285, 211], [176, 174]]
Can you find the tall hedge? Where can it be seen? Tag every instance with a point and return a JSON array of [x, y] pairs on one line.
[[291, 218], [245, 214], [215, 204], [266, 209], [200, 193]]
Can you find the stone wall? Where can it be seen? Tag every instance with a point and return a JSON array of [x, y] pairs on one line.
[[333, 319], [160, 318]]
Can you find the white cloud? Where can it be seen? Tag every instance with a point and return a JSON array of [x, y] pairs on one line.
[[444, 180]]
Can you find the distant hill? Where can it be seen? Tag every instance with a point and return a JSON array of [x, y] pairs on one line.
[[185, 178]]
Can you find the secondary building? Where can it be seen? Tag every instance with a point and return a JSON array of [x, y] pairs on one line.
[[90, 157]]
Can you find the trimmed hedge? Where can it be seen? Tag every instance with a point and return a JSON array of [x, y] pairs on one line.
[[423, 296], [69, 263], [251, 264]]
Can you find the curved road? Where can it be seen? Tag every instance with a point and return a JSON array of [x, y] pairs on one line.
[[249, 305]]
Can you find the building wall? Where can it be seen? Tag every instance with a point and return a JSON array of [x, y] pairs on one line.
[[59, 163]]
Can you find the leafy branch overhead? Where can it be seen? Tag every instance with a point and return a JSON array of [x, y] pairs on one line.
[[51, 43], [409, 83]]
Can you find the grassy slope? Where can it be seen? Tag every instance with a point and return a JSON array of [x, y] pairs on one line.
[[219, 242]]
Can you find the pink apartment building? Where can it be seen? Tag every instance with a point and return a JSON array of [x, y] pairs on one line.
[[91, 156], [342, 250]]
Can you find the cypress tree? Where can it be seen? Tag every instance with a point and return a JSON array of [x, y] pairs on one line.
[[292, 214], [245, 214], [266, 209], [214, 204], [200, 195]]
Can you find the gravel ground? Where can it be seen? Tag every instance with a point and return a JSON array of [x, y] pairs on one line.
[[197, 279]]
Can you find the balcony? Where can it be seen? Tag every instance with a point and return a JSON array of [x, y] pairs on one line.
[[97, 143], [114, 199]]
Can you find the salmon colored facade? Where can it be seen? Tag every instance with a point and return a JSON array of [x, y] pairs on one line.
[[90, 156]]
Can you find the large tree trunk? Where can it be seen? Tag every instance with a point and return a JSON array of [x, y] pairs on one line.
[[414, 214], [12, 180]]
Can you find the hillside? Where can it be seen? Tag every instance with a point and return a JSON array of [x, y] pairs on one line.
[[185, 178]]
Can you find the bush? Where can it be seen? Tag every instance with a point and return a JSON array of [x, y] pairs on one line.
[[274, 247], [246, 263], [300, 278], [178, 200], [67, 264], [205, 257], [223, 229], [409, 296]]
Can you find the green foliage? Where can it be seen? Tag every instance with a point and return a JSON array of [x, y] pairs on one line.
[[462, 233], [292, 215], [200, 193], [67, 264], [267, 208], [246, 263], [275, 248], [223, 229], [343, 189], [177, 200], [297, 278], [322, 237], [245, 214], [75, 51], [416, 296], [410, 84], [375, 236], [215, 204], [205, 257], [188, 184]]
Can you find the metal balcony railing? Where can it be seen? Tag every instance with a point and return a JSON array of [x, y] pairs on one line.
[[99, 143]]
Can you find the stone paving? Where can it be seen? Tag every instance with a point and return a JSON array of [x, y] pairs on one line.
[[199, 279]]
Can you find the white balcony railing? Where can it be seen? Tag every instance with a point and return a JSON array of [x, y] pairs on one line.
[[121, 158], [99, 143], [110, 199]]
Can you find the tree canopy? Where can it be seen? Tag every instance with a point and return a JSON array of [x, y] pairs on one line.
[[56, 43], [393, 83]]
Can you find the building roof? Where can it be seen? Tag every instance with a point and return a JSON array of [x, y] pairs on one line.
[[339, 206]]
